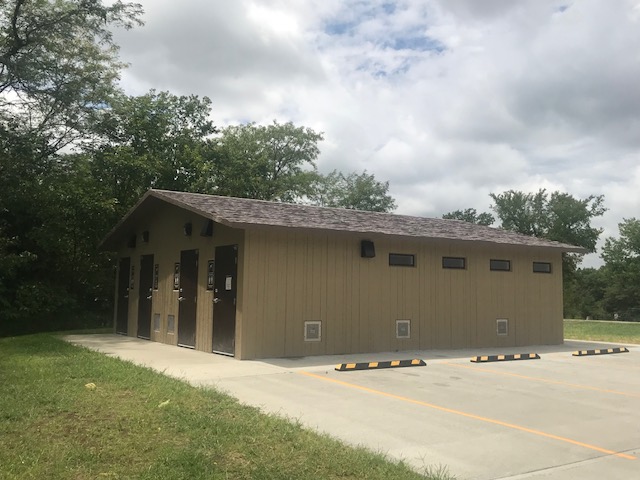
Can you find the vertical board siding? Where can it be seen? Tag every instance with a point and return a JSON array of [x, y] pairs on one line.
[[166, 241], [287, 277], [295, 277]]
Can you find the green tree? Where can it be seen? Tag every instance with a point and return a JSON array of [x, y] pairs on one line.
[[622, 267], [48, 244], [584, 296], [156, 140], [272, 162], [354, 191], [560, 217], [472, 216], [58, 66], [58, 62]]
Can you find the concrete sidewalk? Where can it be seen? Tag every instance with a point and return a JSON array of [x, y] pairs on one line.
[[554, 418], [201, 368]]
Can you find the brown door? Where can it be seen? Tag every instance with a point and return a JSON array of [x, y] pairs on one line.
[[122, 313], [145, 296], [188, 298], [224, 301]]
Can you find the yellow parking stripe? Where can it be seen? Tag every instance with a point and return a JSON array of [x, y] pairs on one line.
[[470, 415]]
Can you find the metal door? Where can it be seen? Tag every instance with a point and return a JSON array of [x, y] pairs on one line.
[[188, 298], [224, 308], [122, 312], [145, 296]]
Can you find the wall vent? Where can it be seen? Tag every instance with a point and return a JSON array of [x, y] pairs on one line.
[[502, 326], [313, 331], [171, 323], [403, 328], [156, 322]]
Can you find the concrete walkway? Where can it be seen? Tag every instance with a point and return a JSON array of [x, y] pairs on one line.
[[201, 368], [554, 418]]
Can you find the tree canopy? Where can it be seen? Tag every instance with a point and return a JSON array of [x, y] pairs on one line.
[[472, 216], [156, 140], [559, 216], [58, 63], [266, 162], [354, 191], [622, 271], [59, 69]]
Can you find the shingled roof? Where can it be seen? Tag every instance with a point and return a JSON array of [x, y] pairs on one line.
[[244, 213]]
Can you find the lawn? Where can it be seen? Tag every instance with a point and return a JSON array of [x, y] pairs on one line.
[[69, 413], [605, 331]]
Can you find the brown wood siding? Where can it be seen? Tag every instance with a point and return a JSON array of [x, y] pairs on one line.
[[287, 277], [166, 241], [292, 277]]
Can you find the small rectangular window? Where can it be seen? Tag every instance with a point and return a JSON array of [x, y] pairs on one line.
[[402, 259], [541, 267], [500, 265], [454, 262]]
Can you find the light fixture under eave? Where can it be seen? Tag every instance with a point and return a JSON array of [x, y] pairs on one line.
[[207, 229]]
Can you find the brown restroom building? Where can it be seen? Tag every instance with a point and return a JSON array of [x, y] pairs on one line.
[[259, 279]]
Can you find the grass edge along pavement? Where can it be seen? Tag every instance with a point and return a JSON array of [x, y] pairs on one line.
[[602, 330], [67, 412]]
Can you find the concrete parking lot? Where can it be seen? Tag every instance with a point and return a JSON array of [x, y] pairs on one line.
[[554, 418]]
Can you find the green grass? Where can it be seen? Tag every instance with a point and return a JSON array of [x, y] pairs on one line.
[[604, 331], [139, 424]]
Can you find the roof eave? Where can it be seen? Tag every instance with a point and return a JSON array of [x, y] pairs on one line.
[[110, 241], [109, 238]]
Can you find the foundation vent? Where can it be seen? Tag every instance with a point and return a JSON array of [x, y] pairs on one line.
[[502, 326], [403, 328], [156, 322], [171, 323], [313, 331]]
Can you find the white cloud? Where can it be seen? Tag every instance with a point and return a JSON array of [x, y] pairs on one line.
[[449, 100]]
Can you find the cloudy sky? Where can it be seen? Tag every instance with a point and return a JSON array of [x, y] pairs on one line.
[[448, 100]]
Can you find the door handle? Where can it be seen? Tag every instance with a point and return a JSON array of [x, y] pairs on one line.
[[181, 299], [217, 300], [149, 297]]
